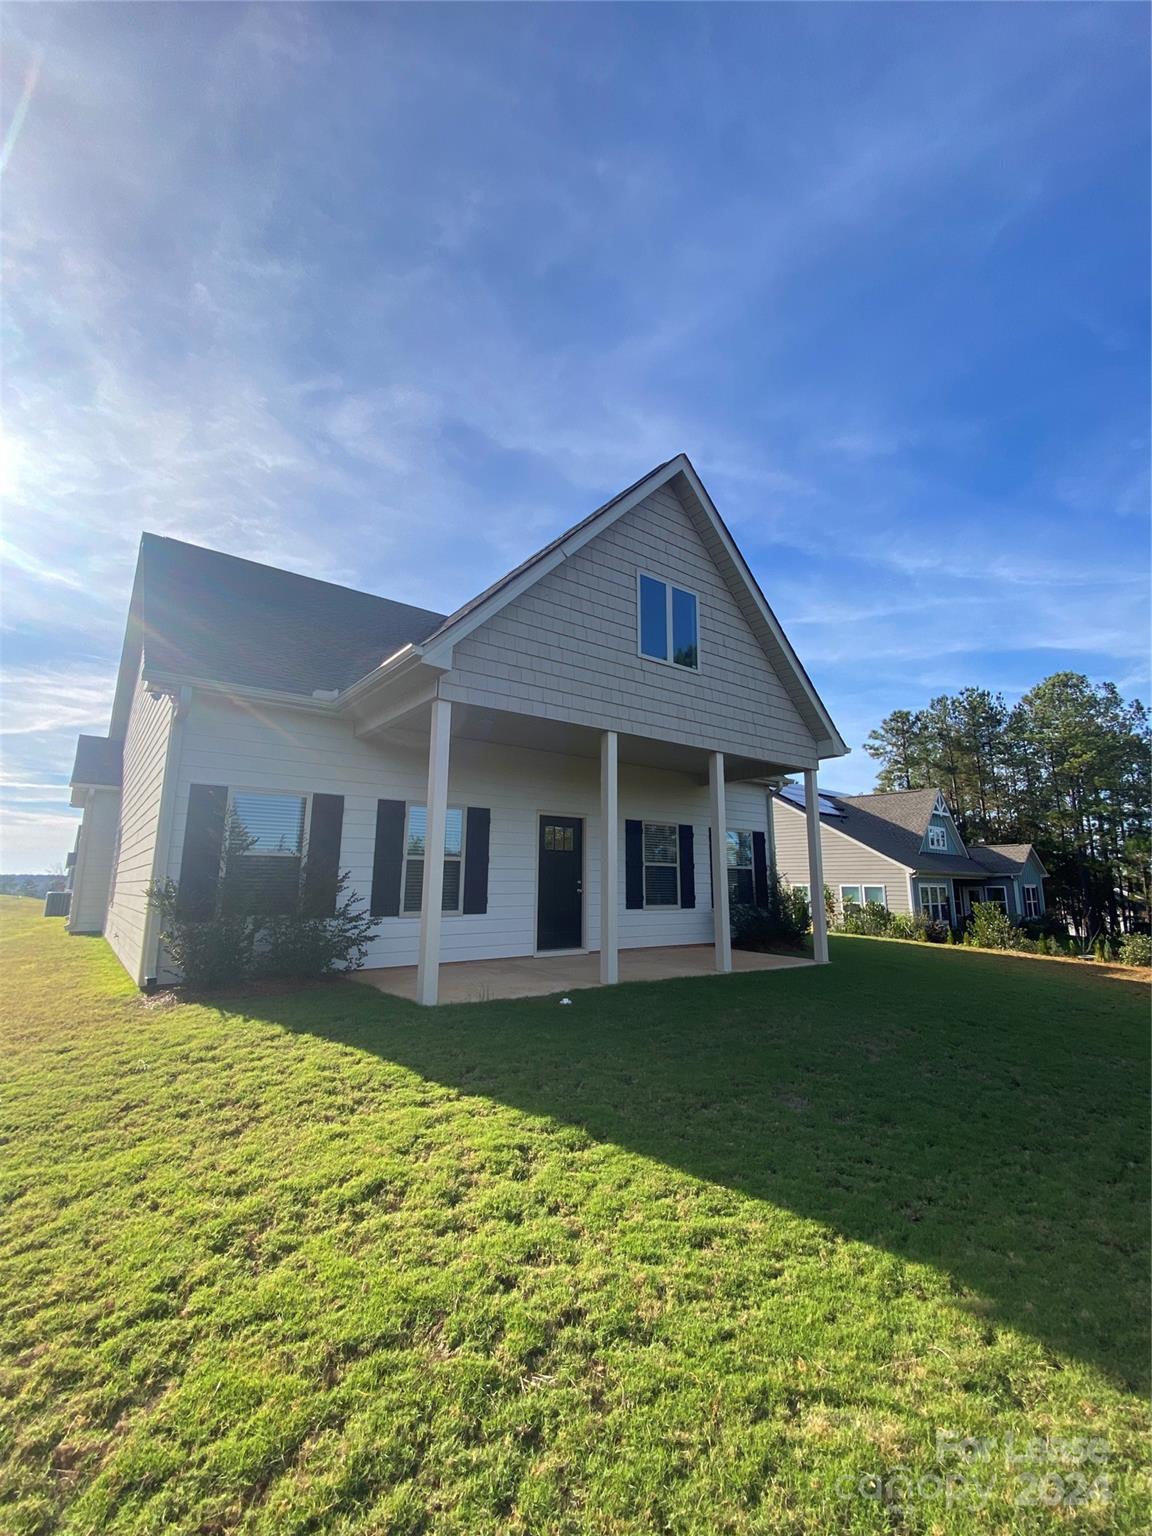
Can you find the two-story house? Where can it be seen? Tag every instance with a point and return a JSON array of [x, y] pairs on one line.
[[587, 746], [903, 850]]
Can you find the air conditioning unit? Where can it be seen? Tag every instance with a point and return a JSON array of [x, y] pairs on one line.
[[57, 903]]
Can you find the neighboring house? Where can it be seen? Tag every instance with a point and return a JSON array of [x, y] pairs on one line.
[[904, 851], [623, 700]]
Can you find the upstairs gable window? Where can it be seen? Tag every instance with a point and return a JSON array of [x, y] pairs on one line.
[[937, 838], [669, 623]]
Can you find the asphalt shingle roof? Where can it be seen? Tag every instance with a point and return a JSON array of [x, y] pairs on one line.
[[98, 761], [208, 615], [894, 824]]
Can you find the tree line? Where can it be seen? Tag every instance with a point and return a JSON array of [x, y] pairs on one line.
[[1067, 769]]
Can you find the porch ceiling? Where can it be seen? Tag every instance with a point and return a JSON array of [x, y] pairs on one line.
[[471, 722]]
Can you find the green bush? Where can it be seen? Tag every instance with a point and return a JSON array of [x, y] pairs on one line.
[[781, 921], [873, 920], [990, 927], [1136, 949], [233, 946]]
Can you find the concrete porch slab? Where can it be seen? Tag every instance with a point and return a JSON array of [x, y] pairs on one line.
[[478, 981]]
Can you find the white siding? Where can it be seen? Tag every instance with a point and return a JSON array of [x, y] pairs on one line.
[[145, 751], [566, 649], [93, 868], [303, 753], [846, 862]]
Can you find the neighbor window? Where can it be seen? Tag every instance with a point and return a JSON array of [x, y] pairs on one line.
[[935, 903], [938, 838], [1031, 901], [264, 849], [415, 842], [856, 895], [997, 895], [669, 623], [741, 884], [803, 888], [661, 864]]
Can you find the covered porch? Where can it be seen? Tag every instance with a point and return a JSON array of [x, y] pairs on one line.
[[597, 953], [480, 981]]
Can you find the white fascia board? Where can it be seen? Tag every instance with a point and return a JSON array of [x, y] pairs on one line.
[[834, 740], [848, 838], [170, 680]]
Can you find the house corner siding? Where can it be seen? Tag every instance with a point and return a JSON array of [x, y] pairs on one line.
[[93, 869], [145, 757]]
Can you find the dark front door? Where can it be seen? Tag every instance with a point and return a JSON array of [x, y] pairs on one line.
[[560, 889]]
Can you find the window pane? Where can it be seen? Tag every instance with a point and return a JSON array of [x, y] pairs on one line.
[[450, 901], [740, 849], [874, 893], [653, 618], [272, 823], [850, 895], [263, 884], [740, 886], [413, 884], [661, 842], [417, 829], [661, 888], [454, 831], [683, 628]]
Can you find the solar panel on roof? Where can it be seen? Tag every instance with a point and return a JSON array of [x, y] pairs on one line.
[[795, 794]]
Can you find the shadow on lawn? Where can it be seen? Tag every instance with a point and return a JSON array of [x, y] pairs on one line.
[[981, 1117]]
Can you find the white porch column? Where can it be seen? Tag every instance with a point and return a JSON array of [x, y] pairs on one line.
[[815, 868], [719, 824], [609, 858], [428, 966]]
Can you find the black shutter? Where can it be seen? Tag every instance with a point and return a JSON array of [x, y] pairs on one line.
[[477, 825], [633, 864], [322, 865], [203, 850], [687, 868], [388, 858], [760, 868]]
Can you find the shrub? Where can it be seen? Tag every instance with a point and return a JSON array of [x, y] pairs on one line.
[[992, 928], [232, 945], [780, 921], [873, 919], [1136, 949], [1048, 926], [293, 944]]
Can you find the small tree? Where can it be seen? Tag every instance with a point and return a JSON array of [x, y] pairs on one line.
[[992, 928]]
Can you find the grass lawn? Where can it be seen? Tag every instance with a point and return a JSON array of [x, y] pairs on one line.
[[694, 1256]]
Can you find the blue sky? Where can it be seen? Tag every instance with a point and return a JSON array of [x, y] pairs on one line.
[[392, 295]]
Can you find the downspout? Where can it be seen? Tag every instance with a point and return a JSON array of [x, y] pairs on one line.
[[150, 949]]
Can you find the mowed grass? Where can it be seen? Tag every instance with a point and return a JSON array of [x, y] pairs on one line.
[[688, 1257]]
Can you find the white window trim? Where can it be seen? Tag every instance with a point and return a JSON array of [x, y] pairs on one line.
[[875, 885], [456, 911], [853, 885], [669, 587], [645, 866], [938, 839], [740, 832], [925, 906], [1003, 889], [1035, 890]]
